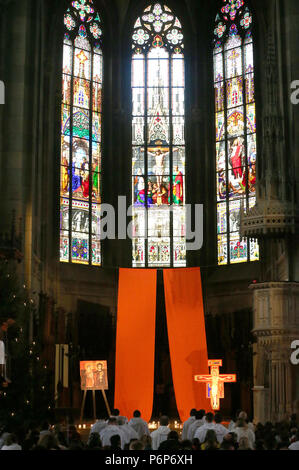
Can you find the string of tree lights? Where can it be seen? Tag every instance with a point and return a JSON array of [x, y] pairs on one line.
[[26, 383]]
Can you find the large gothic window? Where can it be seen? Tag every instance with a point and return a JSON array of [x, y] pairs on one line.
[[235, 129], [81, 129], [158, 140]]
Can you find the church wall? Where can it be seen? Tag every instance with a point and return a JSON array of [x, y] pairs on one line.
[[30, 65]]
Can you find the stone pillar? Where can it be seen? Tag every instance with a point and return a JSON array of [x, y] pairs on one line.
[[276, 325]]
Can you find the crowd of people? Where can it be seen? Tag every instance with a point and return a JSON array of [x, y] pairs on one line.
[[201, 431]]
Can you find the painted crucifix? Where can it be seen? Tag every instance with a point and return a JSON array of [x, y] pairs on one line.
[[215, 382]]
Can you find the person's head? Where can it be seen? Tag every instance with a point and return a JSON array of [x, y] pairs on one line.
[[218, 418], [227, 445], [164, 421], [186, 445], [115, 441], [244, 443], [211, 438], [112, 421], [121, 421], [146, 441], [284, 445], [136, 414], [209, 417], [115, 412], [259, 445], [136, 445], [10, 439], [173, 435], [195, 443], [193, 412], [99, 366], [48, 442], [243, 415], [94, 441], [199, 414]]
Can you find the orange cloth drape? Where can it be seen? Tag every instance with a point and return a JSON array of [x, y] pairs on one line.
[[187, 337], [135, 342]]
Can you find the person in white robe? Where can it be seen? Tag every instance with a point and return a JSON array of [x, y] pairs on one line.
[[201, 432], [115, 414], [97, 427], [198, 422], [160, 434], [188, 423], [11, 443], [128, 431], [110, 430], [139, 425], [243, 430], [220, 430]]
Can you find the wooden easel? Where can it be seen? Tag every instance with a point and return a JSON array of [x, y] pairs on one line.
[[94, 403]]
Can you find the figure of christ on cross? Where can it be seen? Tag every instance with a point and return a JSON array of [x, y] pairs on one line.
[[215, 382]]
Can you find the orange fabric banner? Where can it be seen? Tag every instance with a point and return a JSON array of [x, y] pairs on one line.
[[135, 342], [187, 338]]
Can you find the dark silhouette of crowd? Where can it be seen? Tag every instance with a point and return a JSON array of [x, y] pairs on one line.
[[202, 431]]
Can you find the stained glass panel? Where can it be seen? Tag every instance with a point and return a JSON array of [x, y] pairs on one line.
[[222, 218], [82, 66], [238, 249], [178, 72], [158, 165], [64, 246], [250, 109], [222, 249], [138, 130], [219, 96], [218, 67], [81, 135], [233, 63], [235, 123], [178, 104], [234, 92], [220, 126]]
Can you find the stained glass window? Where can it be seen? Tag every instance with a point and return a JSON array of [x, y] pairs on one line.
[[158, 139], [81, 124], [235, 129]]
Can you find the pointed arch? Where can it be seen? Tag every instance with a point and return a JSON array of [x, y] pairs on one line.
[[235, 121], [81, 135], [158, 139]]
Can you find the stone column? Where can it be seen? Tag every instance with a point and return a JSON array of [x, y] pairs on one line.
[[276, 325]]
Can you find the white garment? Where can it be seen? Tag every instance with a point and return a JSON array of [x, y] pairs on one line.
[[186, 426], [12, 447], [220, 431], [124, 418], [129, 433], [2, 353], [193, 428], [294, 446], [231, 425], [159, 435], [202, 431], [140, 426], [97, 427], [245, 432], [2, 439], [110, 431]]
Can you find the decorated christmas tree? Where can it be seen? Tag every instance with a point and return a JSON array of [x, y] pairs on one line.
[[25, 384]]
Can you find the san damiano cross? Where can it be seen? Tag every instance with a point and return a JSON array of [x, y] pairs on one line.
[[215, 382]]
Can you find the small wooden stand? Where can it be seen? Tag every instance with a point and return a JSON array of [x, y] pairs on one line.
[[94, 404]]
